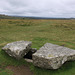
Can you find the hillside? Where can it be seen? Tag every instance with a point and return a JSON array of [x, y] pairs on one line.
[[9, 17], [3, 16], [60, 32]]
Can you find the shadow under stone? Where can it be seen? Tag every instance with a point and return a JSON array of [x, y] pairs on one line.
[[30, 53]]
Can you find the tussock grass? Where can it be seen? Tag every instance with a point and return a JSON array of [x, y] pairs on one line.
[[61, 32]]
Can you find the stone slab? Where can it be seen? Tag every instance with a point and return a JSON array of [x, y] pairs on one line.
[[17, 49], [51, 56]]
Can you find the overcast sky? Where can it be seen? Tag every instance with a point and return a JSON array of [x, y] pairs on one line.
[[39, 8]]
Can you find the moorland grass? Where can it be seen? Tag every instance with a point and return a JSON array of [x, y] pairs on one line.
[[61, 32]]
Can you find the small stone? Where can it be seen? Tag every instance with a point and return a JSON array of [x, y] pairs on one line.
[[17, 49], [51, 56], [29, 60]]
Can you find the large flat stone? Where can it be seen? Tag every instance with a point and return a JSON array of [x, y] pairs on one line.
[[52, 56], [17, 49]]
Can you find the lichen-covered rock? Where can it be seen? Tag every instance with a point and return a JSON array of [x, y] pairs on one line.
[[17, 49], [52, 56]]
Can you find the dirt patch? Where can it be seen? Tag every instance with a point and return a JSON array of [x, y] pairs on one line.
[[20, 70]]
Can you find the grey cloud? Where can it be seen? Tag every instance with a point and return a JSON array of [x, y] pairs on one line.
[[42, 8]]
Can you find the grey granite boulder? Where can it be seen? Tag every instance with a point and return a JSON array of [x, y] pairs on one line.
[[17, 49], [52, 56]]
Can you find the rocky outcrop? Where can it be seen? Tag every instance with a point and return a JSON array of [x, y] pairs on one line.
[[17, 49], [52, 56], [49, 56]]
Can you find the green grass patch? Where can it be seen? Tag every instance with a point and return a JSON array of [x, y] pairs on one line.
[[60, 32], [6, 72]]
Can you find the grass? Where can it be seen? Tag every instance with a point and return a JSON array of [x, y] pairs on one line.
[[61, 32], [67, 69], [5, 72]]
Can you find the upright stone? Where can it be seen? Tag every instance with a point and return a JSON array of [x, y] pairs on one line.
[[17, 49], [52, 56]]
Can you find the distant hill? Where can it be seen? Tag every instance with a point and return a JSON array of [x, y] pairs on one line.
[[2, 16], [8, 17]]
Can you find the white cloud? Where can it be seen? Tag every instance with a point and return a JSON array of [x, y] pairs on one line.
[[42, 8]]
